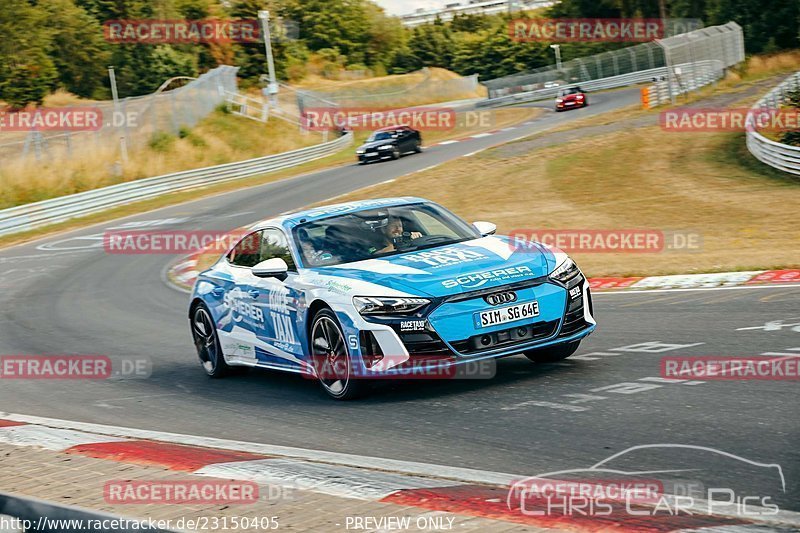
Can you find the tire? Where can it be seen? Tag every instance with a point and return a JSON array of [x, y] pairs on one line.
[[331, 358], [206, 341], [396, 153], [552, 354], [418, 147]]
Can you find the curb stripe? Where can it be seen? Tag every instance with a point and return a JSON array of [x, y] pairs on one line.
[[489, 502], [152, 453], [10, 423]]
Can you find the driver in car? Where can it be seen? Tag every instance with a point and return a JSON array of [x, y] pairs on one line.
[[394, 235]]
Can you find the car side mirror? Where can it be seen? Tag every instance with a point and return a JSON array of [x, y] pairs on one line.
[[485, 228], [271, 268]]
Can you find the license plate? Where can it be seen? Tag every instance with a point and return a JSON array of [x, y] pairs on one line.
[[570, 103], [511, 313], [370, 154]]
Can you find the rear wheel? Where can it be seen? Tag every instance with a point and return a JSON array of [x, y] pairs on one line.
[[553, 353], [331, 358], [206, 341], [418, 147], [396, 153]]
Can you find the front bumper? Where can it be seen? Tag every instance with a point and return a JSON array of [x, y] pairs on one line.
[[374, 156], [428, 347]]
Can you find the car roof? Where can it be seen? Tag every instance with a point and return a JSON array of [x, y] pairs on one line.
[[291, 220], [392, 128]]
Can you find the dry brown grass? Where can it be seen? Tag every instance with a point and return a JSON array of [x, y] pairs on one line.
[[632, 179], [220, 138]]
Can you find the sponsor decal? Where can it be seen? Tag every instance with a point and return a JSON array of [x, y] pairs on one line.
[[478, 279], [574, 293], [412, 325], [770, 368], [586, 30], [280, 314], [372, 118], [180, 492], [241, 309], [338, 287], [445, 257], [164, 31]]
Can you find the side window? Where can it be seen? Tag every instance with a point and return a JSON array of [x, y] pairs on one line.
[[274, 244], [248, 252]]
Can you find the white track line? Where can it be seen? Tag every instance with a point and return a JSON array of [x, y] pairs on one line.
[[654, 291], [466, 475]]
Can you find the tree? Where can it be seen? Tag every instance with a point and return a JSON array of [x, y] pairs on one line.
[[27, 73], [78, 50]]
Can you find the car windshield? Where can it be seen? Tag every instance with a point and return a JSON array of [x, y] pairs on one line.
[[571, 90], [380, 136], [379, 233]]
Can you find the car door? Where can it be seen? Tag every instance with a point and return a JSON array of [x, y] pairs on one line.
[[242, 315], [406, 140], [279, 338]]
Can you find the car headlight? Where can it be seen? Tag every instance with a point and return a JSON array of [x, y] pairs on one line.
[[559, 100], [359, 152], [565, 272], [371, 305], [385, 147]]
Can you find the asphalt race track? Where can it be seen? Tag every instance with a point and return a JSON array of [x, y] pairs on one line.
[[64, 295]]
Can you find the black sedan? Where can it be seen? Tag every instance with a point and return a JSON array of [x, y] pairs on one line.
[[389, 143]]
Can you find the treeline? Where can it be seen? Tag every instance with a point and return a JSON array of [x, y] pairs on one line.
[[50, 44]]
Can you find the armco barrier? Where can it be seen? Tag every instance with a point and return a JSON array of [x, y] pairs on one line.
[[704, 72], [775, 154], [47, 517], [30, 216]]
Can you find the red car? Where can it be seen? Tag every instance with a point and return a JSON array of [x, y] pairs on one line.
[[571, 98]]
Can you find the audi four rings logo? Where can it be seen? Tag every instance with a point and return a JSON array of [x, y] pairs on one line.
[[501, 298]]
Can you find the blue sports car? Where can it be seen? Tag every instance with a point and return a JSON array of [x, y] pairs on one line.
[[354, 292]]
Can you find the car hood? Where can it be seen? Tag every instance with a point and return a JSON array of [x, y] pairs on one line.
[[482, 263], [569, 97], [375, 144]]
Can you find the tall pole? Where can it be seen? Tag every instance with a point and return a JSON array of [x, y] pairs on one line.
[[123, 145], [272, 88], [557, 48]]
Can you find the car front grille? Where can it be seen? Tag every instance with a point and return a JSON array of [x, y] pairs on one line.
[[573, 318]]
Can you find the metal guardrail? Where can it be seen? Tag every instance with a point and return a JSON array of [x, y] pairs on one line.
[[775, 154], [22, 514], [702, 72], [46, 212]]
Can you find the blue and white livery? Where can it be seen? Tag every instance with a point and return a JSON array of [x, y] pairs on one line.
[[391, 287]]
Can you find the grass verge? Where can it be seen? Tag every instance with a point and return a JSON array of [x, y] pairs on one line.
[[499, 119], [641, 178]]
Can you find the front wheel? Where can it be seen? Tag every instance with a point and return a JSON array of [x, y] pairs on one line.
[[418, 147], [331, 358], [396, 153], [206, 341], [552, 353]]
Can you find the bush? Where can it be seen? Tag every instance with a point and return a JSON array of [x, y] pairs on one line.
[[161, 142]]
